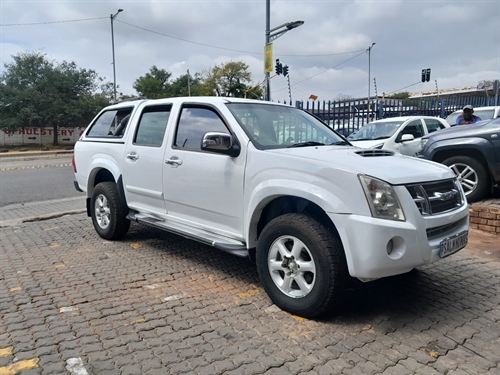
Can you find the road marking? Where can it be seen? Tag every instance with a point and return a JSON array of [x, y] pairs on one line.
[[299, 318], [135, 245], [19, 366], [174, 297], [67, 309], [59, 265], [54, 244], [51, 228], [16, 289], [249, 293], [153, 286], [5, 352], [75, 366]]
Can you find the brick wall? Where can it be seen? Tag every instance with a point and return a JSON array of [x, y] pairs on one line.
[[485, 217]]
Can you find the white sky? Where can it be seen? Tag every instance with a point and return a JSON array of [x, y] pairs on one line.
[[458, 40]]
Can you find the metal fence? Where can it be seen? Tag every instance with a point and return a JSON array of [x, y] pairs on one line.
[[348, 116]]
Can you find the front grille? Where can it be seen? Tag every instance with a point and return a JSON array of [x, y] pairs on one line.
[[437, 231], [434, 198]]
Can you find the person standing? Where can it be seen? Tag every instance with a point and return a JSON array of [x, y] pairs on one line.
[[467, 116]]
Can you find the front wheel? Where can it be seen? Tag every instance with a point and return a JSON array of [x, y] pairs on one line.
[[109, 212], [301, 265], [472, 175]]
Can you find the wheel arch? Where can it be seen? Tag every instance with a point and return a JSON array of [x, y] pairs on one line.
[[102, 174], [276, 206]]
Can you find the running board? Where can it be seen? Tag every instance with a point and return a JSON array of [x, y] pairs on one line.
[[229, 245]]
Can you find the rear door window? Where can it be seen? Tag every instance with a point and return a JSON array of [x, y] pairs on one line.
[[433, 125], [152, 125]]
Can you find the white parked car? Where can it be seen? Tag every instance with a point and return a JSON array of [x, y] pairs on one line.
[[485, 113], [400, 134]]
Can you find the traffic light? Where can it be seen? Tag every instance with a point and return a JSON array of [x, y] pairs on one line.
[[426, 75], [278, 67], [285, 70]]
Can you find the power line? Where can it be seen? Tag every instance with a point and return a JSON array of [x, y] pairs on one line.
[[47, 23], [178, 38]]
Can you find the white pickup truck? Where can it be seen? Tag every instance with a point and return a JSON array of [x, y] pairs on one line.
[[271, 182]]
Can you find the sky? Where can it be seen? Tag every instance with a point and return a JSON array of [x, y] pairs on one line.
[[329, 56]]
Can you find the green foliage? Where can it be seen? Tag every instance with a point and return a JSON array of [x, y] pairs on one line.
[[36, 92], [154, 84], [399, 95], [230, 79]]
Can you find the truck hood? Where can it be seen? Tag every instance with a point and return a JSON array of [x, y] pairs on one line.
[[460, 131], [386, 165]]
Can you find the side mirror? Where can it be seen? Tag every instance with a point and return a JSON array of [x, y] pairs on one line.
[[220, 143], [407, 137]]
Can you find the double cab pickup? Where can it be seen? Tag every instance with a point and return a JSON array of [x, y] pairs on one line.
[[272, 182]]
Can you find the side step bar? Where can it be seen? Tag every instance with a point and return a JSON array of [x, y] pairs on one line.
[[222, 243]]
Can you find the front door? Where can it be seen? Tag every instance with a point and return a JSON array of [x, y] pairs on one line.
[[416, 129], [203, 189]]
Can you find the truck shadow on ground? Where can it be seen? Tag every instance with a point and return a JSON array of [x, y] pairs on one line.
[[434, 292]]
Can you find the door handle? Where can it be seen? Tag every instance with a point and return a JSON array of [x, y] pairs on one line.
[[174, 161], [132, 156]]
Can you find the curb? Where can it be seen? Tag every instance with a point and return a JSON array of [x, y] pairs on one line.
[[54, 215], [33, 153]]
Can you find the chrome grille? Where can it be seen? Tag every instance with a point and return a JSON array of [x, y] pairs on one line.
[[374, 153], [434, 198]]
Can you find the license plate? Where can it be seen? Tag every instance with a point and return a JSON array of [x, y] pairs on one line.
[[452, 244]]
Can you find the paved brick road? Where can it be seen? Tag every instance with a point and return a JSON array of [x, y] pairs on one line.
[[155, 303]]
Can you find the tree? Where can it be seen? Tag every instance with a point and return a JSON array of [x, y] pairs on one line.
[[343, 98], [230, 79], [181, 87], [154, 84], [36, 92], [400, 95]]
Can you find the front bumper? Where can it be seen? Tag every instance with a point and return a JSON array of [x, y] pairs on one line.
[[378, 248]]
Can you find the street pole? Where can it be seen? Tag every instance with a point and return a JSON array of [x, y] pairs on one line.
[[113, 49], [189, 85], [369, 80], [268, 26]]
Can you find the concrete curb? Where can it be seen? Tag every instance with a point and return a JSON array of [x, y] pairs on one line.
[[14, 154], [14, 222]]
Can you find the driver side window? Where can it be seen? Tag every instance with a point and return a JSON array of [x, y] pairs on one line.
[[193, 124], [414, 128]]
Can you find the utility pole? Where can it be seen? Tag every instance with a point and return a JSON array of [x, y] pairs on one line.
[[289, 89], [113, 50], [369, 80], [189, 84]]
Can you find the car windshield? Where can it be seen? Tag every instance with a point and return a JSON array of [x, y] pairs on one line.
[[483, 114], [272, 126], [376, 130]]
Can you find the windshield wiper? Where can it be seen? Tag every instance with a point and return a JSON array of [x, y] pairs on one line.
[[308, 143], [340, 143], [382, 137]]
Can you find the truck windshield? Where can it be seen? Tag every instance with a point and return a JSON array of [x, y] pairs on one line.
[[272, 126]]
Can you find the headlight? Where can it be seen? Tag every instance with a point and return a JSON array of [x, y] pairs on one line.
[[379, 146], [422, 144], [382, 199]]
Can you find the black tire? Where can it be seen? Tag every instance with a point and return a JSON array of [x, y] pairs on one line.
[[109, 212], [321, 251], [472, 175]]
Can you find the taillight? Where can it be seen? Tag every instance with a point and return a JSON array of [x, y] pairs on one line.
[[73, 163]]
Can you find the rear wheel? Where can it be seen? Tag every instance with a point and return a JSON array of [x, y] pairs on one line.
[[472, 175], [109, 212], [301, 265]]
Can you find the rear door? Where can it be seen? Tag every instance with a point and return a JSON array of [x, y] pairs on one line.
[[143, 164]]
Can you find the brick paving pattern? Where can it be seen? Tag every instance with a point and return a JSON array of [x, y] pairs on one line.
[[156, 303]]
